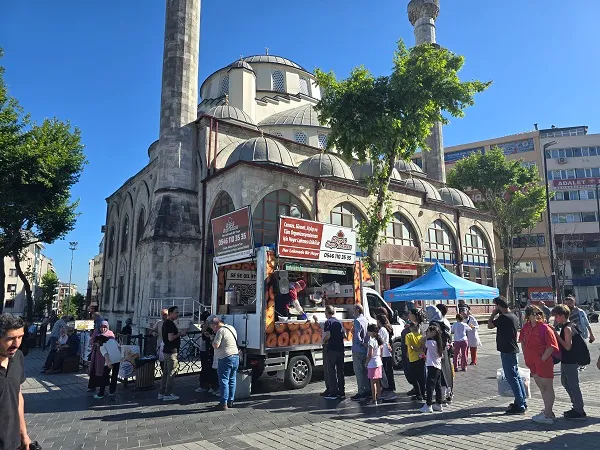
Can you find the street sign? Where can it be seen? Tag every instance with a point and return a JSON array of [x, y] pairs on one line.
[[233, 238]]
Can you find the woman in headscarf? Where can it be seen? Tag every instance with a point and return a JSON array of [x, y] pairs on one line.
[[97, 361], [434, 316]]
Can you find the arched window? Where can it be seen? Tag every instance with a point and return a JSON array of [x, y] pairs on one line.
[[345, 215], [304, 89], [322, 140], [400, 232], [476, 258], [300, 137], [111, 241], [267, 212], [277, 133], [278, 81], [225, 84], [440, 244], [125, 234], [140, 225]]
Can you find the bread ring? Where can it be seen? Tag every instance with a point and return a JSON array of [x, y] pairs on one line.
[[350, 301], [271, 340], [280, 327], [315, 326], [305, 339], [294, 340], [293, 326], [270, 327], [305, 326], [316, 338], [283, 340]]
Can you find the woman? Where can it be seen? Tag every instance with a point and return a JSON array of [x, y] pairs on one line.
[[539, 342], [569, 373], [435, 318], [62, 340], [472, 336], [386, 332], [97, 361]]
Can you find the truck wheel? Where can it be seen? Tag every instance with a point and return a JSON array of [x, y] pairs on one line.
[[397, 354], [298, 372]]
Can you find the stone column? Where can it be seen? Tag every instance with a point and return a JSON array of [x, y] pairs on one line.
[[422, 15]]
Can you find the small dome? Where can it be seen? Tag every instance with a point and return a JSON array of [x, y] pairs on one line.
[[325, 165], [261, 150], [423, 186], [455, 197], [229, 113], [362, 171], [240, 64], [407, 166], [273, 60], [304, 115]]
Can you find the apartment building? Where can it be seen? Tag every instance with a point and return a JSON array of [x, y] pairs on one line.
[[65, 290]]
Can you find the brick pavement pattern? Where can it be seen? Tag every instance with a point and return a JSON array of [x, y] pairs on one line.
[[62, 415]]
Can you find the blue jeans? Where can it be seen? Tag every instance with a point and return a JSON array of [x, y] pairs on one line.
[[226, 370], [510, 365]]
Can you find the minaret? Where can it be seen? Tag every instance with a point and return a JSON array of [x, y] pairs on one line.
[[422, 15]]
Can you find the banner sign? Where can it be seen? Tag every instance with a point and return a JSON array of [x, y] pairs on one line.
[[84, 325], [233, 238], [455, 156], [510, 148], [400, 269], [243, 281], [315, 241], [576, 183]]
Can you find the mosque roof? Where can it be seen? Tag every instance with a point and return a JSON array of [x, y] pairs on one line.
[[261, 150], [362, 171], [229, 113], [325, 165], [407, 166], [455, 197], [301, 115], [273, 60], [423, 186]]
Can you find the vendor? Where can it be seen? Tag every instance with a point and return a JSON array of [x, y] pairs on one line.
[[294, 306]]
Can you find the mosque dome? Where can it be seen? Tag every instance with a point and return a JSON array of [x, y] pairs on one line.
[[455, 197], [362, 171], [423, 186], [304, 115], [407, 166], [229, 114], [261, 150], [240, 64], [272, 59], [325, 165]]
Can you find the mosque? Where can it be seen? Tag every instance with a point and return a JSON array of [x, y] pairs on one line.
[[254, 139]]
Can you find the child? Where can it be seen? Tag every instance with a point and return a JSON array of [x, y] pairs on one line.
[[374, 362], [416, 364], [109, 349], [461, 343], [472, 336], [434, 346]]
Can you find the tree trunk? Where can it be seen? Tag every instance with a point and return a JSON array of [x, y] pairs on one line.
[[2, 286], [26, 285], [506, 274]]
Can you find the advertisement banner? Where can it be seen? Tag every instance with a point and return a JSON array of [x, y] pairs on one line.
[[510, 148], [576, 183], [233, 238], [450, 158], [400, 269], [315, 241]]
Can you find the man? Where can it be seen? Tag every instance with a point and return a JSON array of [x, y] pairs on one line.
[[157, 329], [171, 342], [360, 340], [333, 340], [126, 330], [62, 322], [13, 432], [546, 311], [228, 360], [579, 318], [71, 348], [507, 324]]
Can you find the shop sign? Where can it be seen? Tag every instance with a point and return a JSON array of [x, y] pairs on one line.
[[541, 296], [575, 183], [233, 238], [510, 148], [400, 269], [315, 241], [456, 156], [84, 325], [243, 281]]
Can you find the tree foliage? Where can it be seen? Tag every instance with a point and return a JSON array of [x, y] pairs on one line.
[[39, 163], [387, 118], [73, 305], [510, 192], [48, 287]]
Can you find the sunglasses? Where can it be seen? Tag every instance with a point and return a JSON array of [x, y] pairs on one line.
[[538, 313]]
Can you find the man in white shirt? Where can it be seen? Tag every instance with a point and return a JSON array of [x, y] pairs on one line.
[[227, 355], [157, 328]]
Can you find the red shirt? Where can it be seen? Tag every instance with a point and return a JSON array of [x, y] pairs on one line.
[[537, 339]]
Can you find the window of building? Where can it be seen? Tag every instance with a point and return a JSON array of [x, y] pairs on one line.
[[11, 288], [277, 133], [528, 164], [140, 225], [440, 244], [585, 172], [121, 290], [266, 215], [225, 84], [575, 217], [345, 215], [107, 292], [9, 303], [133, 288], [475, 249], [304, 86], [300, 137], [526, 267], [125, 234], [322, 140], [12, 272], [400, 232], [278, 81], [111, 241]]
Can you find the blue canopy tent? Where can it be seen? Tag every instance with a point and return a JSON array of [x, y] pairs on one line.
[[440, 284]]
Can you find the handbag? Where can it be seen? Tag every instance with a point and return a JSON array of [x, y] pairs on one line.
[[35, 446]]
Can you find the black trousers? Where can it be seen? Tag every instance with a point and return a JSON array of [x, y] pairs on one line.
[[334, 363], [434, 381], [417, 377], [208, 375], [388, 367], [110, 376]]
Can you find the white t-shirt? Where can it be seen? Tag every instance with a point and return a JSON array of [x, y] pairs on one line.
[[433, 358], [375, 360], [385, 337], [459, 330], [111, 352], [226, 339]]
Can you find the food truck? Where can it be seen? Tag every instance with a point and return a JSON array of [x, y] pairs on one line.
[[253, 291]]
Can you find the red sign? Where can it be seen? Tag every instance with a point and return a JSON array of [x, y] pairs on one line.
[[232, 236], [305, 239], [576, 183], [400, 269]]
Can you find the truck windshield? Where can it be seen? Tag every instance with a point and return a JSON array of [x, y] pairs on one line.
[[375, 302]]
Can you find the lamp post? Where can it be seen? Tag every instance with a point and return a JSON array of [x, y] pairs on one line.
[[72, 247], [550, 234]]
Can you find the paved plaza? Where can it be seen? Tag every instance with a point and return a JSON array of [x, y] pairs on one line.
[[62, 415]]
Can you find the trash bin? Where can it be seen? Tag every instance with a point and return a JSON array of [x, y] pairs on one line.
[[144, 373], [243, 383]]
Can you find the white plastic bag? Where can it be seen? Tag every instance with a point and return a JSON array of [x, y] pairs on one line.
[[504, 389]]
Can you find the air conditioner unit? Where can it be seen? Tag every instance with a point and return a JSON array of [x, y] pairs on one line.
[[589, 271], [562, 160], [103, 229]]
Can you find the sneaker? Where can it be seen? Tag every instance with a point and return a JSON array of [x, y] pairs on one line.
[[473, 363], [574, 415], [325, 393], [426, 409], [341, 396], [358, 397], [230, 404], [411, 392], [201, 390], [330, 397], [221, 407], [512, 405], [449, 399], [464, 369], [581, 368], [542, 419], [515, 410], [416, 398], [98, 397], [437, 408], [161, 396], [168, 398]]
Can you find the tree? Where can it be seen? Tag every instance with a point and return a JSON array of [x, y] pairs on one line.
[[511, 193], [39, 163], [48, 285], [387, 118], [72, 305]]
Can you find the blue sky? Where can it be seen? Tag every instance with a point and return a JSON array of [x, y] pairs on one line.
[[98, 64]]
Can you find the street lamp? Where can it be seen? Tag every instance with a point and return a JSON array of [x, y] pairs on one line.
[[550, 234], [72, 247]]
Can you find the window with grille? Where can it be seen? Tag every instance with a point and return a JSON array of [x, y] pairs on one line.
[[11, 288], [300, 137], [12, 272], [125, 235], [121, 290], [207, 89], [107, 292], [440, 244], [225, 84], [304, 89], [277, 133], [266, 215], [400, 232], [346, 215], [222, 206], [133, 288], [278, 81], [111, 241], [322, 141], [140, 225], [475, 249]]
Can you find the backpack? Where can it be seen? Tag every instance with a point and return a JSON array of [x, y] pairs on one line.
[[580, 348]]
